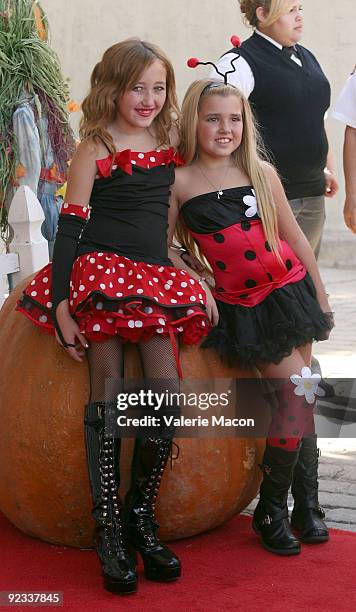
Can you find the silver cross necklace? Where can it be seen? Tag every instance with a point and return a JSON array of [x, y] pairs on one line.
[[219, 190]]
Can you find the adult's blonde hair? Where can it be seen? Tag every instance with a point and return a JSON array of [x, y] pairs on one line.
[[273, 9], [120, 68], [250, 157]]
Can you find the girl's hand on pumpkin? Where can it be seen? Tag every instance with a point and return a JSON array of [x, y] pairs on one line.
[[72, 336]]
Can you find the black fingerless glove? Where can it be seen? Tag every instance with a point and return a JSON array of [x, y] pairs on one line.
[[69, 229], [64, 252]]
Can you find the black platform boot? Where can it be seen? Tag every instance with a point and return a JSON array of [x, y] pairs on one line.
[[270, 519], [307, 516], [103, 454], [149, 460]]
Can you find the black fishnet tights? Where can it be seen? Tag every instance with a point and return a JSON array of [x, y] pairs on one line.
[[160, 371], [106, 367]]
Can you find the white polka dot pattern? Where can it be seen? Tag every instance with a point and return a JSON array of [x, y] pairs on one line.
[[142, 300]]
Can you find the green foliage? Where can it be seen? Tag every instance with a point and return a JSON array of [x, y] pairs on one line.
[[26, 62]]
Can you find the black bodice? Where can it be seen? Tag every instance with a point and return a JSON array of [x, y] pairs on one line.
[[129, 214]]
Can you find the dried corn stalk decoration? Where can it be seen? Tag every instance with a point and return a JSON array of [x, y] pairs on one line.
[[28, 64]]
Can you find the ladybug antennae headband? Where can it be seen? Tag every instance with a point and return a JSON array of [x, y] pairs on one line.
[[193, 62]]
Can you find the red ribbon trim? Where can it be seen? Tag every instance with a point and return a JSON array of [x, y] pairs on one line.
[[124, 158]]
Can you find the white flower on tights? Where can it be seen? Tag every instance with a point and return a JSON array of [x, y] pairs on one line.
[[251, 202], [307, 384]]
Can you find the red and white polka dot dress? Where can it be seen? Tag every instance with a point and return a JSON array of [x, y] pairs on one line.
[[117, 291]]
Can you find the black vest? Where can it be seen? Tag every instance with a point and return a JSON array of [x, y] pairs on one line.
[[289, 103]]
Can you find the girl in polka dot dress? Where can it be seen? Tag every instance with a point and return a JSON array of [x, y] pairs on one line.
[[111, 281], [271, 300]]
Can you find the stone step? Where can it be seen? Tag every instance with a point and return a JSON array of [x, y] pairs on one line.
[[338, 249], [334, 471], [337, 500], [344, 516], [341, 526], [332, 486]]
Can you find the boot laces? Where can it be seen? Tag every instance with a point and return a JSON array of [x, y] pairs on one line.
[[147, 527], [146, 523], [111, 511]]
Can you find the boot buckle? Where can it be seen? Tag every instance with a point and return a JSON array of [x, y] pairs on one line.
[[266, 469], [267, 520], [321, 512]]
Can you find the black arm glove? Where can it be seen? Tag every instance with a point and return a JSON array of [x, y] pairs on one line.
[[64, 252]]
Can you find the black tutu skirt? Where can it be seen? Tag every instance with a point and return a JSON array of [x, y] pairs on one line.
[[266, 333]]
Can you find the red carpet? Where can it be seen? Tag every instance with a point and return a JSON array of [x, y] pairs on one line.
[[226, 569]]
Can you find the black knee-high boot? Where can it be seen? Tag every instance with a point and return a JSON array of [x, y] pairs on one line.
[[103, 454], [149, 460], [270, 519], [307, 516]]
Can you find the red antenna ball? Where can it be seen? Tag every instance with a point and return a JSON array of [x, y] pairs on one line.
[[235, 41], [193, 62]]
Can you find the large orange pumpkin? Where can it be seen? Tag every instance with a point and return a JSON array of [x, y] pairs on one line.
[[44, 488]]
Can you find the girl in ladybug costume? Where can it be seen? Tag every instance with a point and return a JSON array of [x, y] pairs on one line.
[[111, 282], [271, 300]]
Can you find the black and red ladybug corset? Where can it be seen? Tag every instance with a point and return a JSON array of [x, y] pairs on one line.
[[230, 234]]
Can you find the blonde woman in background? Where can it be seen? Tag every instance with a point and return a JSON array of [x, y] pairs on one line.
[[290, 95]]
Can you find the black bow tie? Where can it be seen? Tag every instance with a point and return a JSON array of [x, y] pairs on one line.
[[290, 51]]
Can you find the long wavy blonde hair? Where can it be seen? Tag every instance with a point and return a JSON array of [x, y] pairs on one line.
[[250, 157], [119, 69]]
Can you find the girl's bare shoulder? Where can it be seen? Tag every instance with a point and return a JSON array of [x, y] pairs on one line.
[[269, 170], [84, 160], [90, 150], [184, 172], [184, 183], [183, 176]]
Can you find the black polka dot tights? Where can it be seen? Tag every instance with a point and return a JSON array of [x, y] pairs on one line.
[[292, 418]]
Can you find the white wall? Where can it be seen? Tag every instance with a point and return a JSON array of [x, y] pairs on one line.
[[83, 29]]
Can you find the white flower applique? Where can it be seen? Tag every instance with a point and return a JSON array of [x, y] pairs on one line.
[[307, 384], [251, 202]]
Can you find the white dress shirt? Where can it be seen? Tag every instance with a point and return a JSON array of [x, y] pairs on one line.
[[243, 77], [345, 107]]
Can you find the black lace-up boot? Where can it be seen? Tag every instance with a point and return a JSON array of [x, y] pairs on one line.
[[103, 454], [270, 519], [307, 516], [149, 460]]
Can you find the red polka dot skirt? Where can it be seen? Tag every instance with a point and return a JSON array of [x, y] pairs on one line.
[[111, 294]]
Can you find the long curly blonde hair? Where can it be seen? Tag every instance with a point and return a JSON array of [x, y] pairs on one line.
[[250, 157], [119, 69], [273, 9]]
